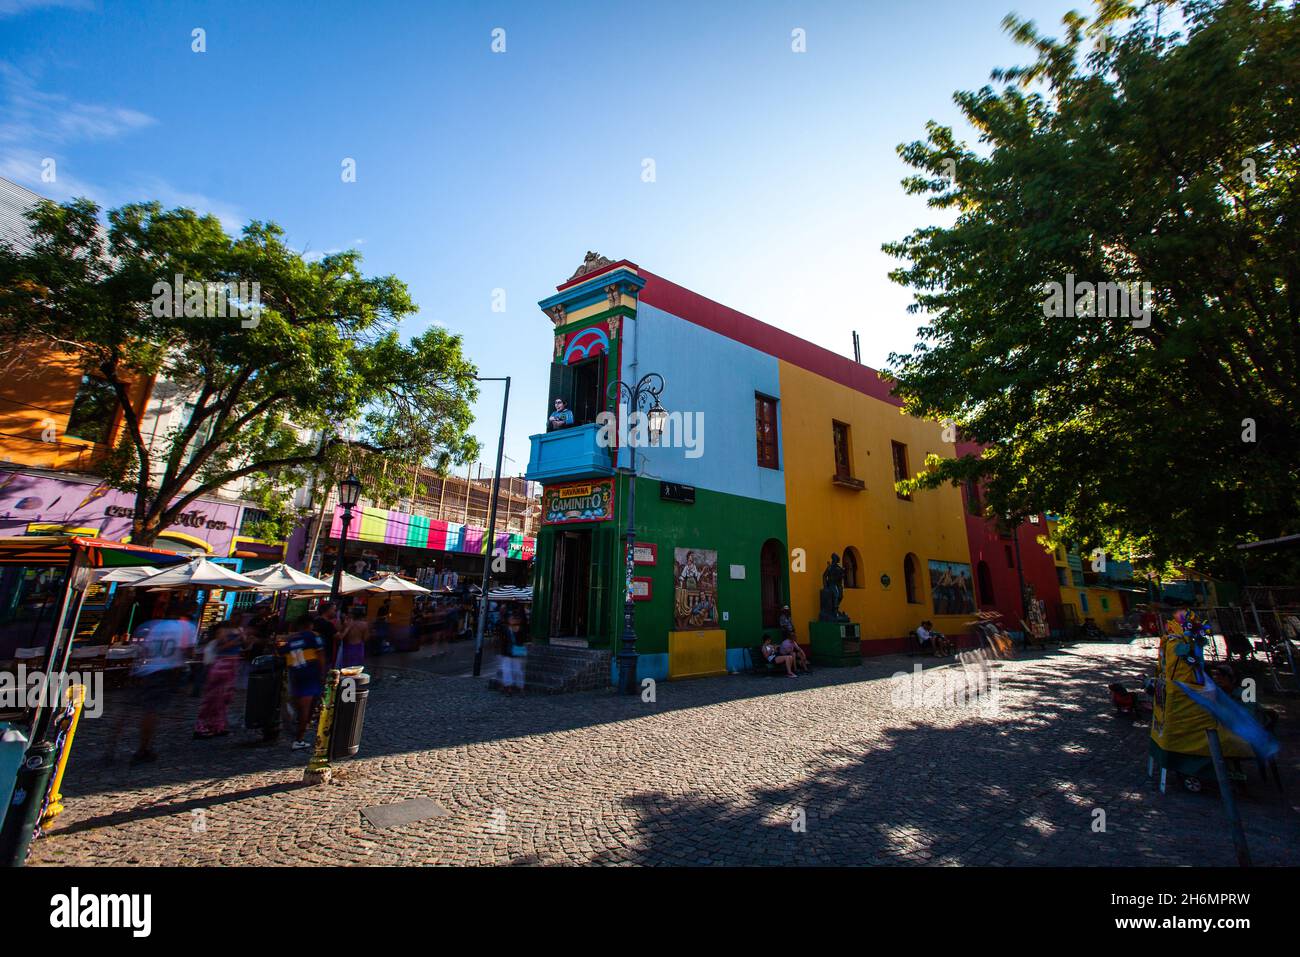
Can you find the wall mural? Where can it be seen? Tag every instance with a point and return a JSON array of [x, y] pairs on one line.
[[695, 591], [950, 584]]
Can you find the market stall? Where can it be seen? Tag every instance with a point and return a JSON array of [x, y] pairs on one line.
[[44, 581]]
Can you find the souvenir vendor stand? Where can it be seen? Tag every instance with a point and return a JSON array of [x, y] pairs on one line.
[[1178, 723], [43, 586]]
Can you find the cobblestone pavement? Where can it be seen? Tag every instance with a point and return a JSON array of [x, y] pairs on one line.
[[715, 771]]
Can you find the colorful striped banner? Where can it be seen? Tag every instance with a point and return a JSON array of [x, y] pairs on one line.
[[384, 527]]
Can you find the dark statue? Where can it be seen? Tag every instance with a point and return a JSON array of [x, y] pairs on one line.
[[832, 591]]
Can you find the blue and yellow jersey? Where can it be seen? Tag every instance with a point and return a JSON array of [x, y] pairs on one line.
[[303, 654]]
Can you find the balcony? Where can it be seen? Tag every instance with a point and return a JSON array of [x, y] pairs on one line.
[[568, 454]]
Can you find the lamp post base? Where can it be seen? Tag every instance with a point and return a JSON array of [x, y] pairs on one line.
[[627, 668]]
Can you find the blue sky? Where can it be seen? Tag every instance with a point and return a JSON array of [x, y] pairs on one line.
[[776, 178]]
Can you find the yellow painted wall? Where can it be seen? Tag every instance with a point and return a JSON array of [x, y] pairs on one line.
[[823, 518], [694, 654], [1104, 617], [34, 411]]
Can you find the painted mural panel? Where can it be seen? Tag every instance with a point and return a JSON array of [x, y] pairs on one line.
[[695, 595], [578, 502], [950, 584], [37, 503]]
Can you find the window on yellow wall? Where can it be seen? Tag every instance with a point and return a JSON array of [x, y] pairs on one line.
[[901, 473], [843, 458], [1105, 603]]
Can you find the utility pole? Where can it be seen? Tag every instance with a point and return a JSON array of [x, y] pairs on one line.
[[491, 532]]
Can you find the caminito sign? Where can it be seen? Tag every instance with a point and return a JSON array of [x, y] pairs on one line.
[[578, 502]]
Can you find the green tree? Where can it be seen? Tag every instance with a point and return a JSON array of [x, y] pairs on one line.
[[283, 376], [1125, 153]]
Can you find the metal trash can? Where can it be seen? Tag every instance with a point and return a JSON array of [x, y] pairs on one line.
[[26, 804], [262, 703], [13, 748], [349, 715]]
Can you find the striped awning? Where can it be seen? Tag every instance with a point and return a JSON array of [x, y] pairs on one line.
[[510, 593], [59, 549]]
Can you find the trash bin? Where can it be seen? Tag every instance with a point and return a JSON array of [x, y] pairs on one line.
[[13, 748], [262, 703], [349, 715], [25, 807]]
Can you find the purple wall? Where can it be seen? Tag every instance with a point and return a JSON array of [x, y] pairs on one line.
[[27, 498]]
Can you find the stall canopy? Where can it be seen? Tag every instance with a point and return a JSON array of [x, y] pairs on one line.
[[284, 577], [198, 573], [391, 583], [99, 553], [124, 576], [511, 593], [350, 584]]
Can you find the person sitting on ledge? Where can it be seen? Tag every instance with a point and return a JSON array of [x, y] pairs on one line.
[[789, 644], [772, 655], [932, 642], [561, 418]]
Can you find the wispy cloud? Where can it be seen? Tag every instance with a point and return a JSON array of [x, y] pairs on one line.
[[9, 8], [39, 127]]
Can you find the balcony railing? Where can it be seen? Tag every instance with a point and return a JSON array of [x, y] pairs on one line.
[[571, 453]]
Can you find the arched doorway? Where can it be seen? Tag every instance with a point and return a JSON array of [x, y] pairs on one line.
[[986, 584], [771, 567], [912, 579], [852, 567]]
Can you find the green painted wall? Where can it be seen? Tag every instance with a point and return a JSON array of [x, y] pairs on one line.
[[733, 526]]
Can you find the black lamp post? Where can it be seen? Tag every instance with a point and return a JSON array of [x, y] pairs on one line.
[[642, 398], [492, 528], [349, 495]]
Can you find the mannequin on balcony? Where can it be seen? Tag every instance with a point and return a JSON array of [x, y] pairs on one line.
[[561, 417]]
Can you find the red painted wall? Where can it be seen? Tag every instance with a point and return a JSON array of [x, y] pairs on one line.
[[1036, 564]]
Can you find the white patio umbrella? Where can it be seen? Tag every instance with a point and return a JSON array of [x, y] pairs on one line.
[[198, 573], [391, 583], [282, 577], [125, 576], [350, 584]]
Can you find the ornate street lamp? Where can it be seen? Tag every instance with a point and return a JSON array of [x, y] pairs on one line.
[[636, 398], [349, 495]]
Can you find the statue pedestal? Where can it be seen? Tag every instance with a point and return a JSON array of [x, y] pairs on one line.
[[835, 644]]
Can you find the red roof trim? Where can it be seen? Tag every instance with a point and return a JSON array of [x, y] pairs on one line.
[[702, 311]]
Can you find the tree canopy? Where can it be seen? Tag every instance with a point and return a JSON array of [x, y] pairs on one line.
[[1126, 152], [285, 359]]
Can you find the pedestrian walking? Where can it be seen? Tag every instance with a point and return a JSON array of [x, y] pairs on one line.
[[304, 657], [219, 687]]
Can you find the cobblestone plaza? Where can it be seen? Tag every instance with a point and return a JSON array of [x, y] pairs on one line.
[[832, 769]]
